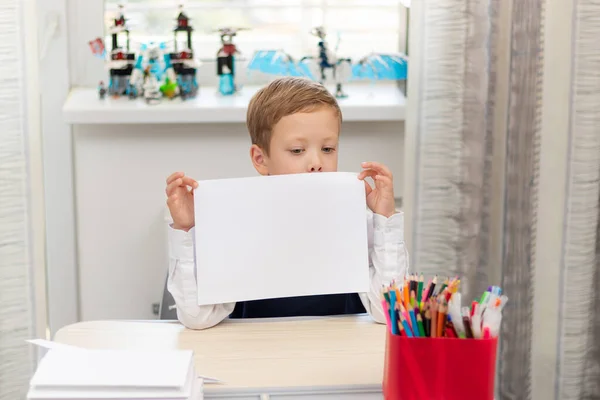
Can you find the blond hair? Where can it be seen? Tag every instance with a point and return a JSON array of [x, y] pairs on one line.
[[283, 97]]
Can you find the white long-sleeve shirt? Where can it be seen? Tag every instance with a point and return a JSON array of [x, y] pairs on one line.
[[388, 261]]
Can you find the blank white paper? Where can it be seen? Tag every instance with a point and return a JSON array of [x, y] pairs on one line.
[[113, 369], [280, 236]]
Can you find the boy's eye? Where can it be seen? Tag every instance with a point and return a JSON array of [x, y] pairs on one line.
[[297, 151], [328, 149]]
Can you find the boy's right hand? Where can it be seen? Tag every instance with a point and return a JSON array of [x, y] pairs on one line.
[[180, 199]]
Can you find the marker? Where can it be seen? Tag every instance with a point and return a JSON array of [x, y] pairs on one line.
[[485, 295], [467, 322]]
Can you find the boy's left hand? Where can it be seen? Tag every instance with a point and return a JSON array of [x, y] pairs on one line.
[[380, 199]]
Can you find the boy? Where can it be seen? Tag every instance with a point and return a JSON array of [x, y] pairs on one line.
[[294, 125]]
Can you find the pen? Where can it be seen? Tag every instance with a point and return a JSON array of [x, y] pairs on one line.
[[476, 323], [454, 312]]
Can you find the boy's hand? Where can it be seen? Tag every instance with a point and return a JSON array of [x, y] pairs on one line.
[[381, 199], [180, 199]]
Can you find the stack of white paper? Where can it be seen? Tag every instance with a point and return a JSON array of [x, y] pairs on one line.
[[78, 374]]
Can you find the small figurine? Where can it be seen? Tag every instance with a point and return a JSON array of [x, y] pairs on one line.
[[169, 89], [119, 20], [152, 92], [182, 60], [101, 90], [122, 60], [374, 66], [226, 62]]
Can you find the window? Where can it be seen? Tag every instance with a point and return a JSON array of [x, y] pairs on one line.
[[356, 27]]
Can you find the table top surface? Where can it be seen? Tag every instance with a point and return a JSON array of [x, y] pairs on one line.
[[282, 353]]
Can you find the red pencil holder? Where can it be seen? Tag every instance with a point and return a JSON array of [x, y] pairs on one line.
[[439, 368]]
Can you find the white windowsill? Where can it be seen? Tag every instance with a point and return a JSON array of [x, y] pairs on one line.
[[365, 102]]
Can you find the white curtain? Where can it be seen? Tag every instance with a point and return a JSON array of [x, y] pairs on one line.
[[16, 297]]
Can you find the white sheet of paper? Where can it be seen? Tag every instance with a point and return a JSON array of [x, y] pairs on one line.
[[280, 236]]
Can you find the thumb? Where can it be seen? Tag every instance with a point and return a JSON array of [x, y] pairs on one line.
[[368, 188]]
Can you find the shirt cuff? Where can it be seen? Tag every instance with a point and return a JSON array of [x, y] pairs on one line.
[[181, 244], [388, 230]]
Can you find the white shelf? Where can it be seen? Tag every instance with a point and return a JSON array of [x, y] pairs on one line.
[[365, 102]]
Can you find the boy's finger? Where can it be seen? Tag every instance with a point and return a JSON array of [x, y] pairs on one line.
[[383, 170], [189, 182], [172, 186], [367, 172], [174, 176], [368, 188]]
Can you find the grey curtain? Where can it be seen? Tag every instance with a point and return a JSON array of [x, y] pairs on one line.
[[459, 178], [474, 124], [16, 319], [579, 322]]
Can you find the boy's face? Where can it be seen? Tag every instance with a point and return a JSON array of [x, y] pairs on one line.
[[301, 142]]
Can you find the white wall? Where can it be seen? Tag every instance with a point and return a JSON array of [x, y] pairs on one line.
[[120, 176]]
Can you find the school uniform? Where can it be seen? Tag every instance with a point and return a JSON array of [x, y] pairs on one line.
[[388, 261]]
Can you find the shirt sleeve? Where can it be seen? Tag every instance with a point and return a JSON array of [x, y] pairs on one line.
[[182, 285], [388, 259]]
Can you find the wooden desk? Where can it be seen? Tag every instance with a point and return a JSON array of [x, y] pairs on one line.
[[303, 358]]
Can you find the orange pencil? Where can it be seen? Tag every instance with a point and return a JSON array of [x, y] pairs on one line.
[[405, 293], [441, 322]]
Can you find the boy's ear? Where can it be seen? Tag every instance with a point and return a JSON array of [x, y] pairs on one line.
[[259, 160]]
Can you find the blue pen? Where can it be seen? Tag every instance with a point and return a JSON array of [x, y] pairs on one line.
[[393, 312], [413, 318]]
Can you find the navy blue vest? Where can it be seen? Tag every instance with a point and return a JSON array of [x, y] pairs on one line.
[[320, 305]]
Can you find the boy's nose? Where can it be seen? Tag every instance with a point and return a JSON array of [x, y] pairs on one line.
[[315, 166]]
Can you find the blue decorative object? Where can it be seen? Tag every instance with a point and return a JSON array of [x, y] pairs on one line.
[[375, 66]]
